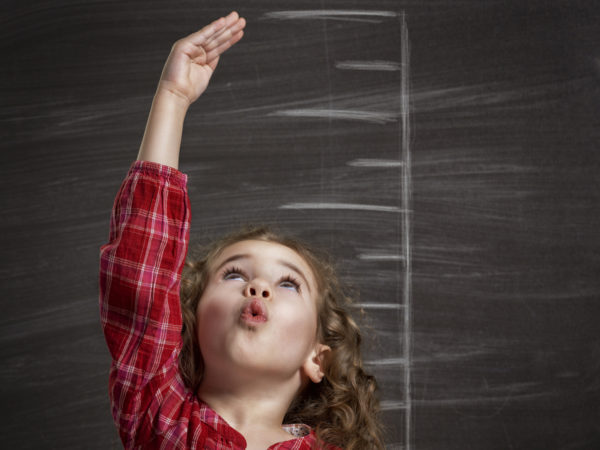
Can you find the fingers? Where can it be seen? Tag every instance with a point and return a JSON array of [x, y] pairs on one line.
[[213, 56], [224, 35], [199, 37], [216, 29], [227, 34], [231, 18]]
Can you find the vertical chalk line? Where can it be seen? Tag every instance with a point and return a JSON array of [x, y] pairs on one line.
[[406, 224], [329, 118]]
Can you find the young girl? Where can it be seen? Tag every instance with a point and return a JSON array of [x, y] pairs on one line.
[[255, 338]]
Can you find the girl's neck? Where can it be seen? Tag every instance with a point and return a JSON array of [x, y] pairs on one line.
[[248, 405]]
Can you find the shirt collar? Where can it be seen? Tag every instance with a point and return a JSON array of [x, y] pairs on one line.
[[220, 425]]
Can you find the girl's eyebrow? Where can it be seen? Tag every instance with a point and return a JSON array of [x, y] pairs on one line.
[[292, 267], [232, 258]]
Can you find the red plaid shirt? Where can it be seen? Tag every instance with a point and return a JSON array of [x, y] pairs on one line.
[[140, 275]]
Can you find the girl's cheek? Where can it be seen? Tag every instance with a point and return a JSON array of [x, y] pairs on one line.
[[211, 310], [303, 321]]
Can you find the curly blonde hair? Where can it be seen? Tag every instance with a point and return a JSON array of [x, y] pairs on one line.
[[343, 409]]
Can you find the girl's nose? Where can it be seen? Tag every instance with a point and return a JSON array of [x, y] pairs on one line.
[[258, 288]]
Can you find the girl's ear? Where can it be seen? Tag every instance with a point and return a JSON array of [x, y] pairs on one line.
[[314, 367]]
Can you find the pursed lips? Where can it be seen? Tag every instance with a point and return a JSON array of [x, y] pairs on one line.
[[254, 311]]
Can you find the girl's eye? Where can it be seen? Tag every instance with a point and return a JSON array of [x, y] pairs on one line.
[[233, 273], [291, 283]]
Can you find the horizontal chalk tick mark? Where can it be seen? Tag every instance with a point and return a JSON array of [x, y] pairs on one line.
[[386, 362], [330, 14], [341, 114], [376, 65], [366, 162], [388, 405], [377, 305], [380, 257], [349, 206]]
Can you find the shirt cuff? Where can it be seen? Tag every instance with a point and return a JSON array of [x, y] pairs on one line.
[[166, 173]]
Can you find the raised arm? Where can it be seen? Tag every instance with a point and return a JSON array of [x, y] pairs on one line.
[[140, 266], [185, 77]]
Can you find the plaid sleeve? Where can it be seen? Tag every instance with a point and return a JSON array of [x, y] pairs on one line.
[[140, 275]]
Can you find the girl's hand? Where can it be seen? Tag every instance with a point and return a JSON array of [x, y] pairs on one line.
[[194, 58]]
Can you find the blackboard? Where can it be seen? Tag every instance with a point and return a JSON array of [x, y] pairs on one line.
[[445, 152]]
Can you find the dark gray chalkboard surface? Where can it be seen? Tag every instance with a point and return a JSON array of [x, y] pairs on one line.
[[445, 152]]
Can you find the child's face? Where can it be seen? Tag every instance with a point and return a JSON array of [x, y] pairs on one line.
[[258, 312]]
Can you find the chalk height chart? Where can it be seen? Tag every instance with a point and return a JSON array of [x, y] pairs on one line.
[[351, 121]]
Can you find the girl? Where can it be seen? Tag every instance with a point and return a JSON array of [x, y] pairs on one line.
[[254, 340]]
